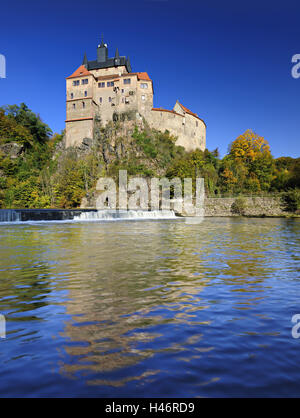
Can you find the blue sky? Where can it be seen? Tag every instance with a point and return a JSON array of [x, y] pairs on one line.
[[230, 62]]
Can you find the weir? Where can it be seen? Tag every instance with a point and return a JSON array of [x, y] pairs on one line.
[[9, 215], [125, 214], [25, 215]]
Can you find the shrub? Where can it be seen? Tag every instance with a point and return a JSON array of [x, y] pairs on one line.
[[291, 200], [239, 206]]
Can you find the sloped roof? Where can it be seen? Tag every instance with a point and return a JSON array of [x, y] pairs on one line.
[[140, 76], [80, 72], [143, 76], [186, 110], [160, 109]]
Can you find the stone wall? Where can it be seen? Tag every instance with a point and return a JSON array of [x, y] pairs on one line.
[[254, 206], [78, 129], [190, 131], [223, 207]]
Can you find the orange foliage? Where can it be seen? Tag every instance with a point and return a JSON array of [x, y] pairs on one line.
[[249, 146]]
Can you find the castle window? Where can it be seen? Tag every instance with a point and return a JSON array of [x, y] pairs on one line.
[[144, 85], [72, 95], [83, 105], [76, 82], [109, 99], [85, 94], [127, 80], [143, 97], [110, 84], [74, 106], [122, 91], [101, 85], [197, 123], [85, 81], [100, 99]]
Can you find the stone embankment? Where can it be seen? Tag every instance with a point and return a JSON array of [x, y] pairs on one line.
[[247, 206]]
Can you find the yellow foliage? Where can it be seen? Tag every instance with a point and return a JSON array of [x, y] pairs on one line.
[[229, 177], [249, 146]]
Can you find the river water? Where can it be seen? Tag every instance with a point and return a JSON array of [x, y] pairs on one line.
[[150, 308]]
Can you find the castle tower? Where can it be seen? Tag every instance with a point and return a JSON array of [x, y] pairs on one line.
[[103, 87], [106, 86], [102, 52]]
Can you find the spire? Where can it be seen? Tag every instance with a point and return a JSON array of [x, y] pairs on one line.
[[117, 58], [102, 53], [128, 65], [102, 43], [85, 61]]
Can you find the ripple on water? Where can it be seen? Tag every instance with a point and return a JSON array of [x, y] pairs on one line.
[[150, 309]]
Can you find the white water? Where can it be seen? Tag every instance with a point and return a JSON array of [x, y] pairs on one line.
[[114, 215], [9, 215]]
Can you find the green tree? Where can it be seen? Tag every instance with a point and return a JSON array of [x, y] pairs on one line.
[[29, 120]]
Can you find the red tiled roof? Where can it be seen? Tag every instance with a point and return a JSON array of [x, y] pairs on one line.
[[190, 112], [80, 72], [166, 110], [140, 76], [143, 76]]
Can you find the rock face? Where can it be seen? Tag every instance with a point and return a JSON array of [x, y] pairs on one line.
[[12, 149]]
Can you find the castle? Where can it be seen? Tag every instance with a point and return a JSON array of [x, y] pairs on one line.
[[107, 86]]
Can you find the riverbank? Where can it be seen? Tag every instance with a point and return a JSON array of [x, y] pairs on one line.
[[270, 206], [251, 207]]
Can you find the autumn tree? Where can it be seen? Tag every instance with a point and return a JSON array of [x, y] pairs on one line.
[[253, 153]]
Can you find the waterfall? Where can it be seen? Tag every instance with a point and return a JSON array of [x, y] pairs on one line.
[[9, 215], [63, 215], [110, 215]]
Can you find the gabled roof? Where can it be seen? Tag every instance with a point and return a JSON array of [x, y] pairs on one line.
[[186, 110], [80, 72], [143, 76]]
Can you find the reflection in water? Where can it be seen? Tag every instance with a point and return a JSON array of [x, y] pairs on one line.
[[150, 308]]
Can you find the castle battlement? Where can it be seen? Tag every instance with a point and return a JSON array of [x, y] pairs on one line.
[[106, 86]]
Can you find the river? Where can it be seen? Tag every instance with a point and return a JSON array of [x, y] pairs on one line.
[[150, 308]]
